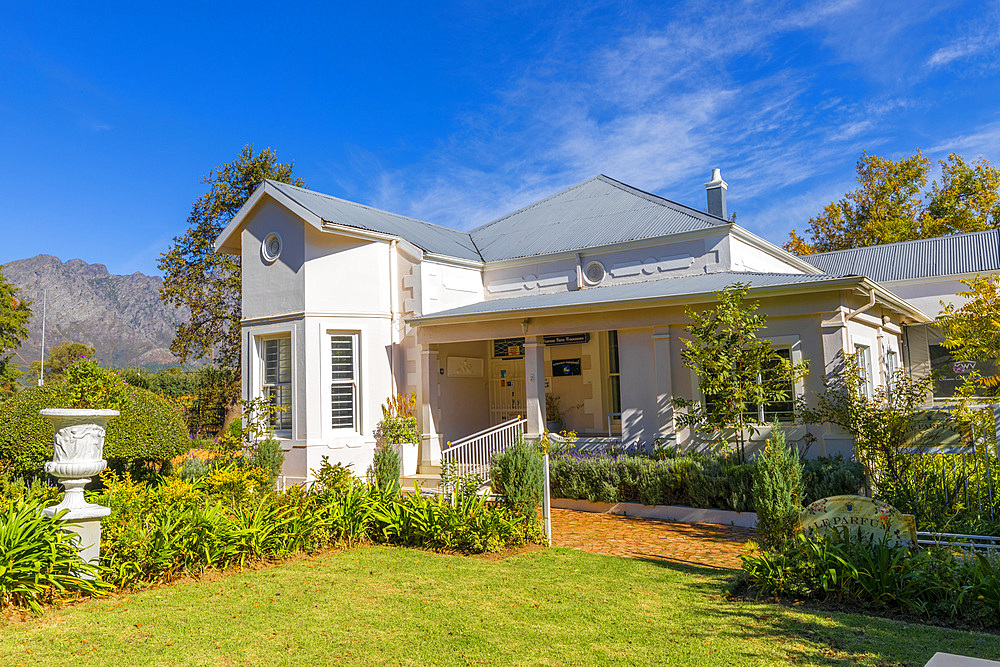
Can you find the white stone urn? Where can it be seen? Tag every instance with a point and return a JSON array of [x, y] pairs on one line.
[[78, 456]]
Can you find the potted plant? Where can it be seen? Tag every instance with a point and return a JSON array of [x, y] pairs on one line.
[[553, 418], [398, 429], [96, 394]]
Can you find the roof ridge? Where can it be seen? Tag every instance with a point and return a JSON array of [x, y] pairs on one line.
[[658, 199], [931, 239], [370, 208]]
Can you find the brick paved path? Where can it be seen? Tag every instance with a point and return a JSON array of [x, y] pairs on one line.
[[631, 537]]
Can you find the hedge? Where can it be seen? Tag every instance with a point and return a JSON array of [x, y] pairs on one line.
[[148, 429]]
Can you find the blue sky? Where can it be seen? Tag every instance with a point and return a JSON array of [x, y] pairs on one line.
[[459, 112]]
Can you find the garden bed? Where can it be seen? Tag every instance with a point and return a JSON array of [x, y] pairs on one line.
[[680, 513]]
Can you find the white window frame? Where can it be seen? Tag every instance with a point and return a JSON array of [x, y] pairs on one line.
[[265, 386], [354, 382]]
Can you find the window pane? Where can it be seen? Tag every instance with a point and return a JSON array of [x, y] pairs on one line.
[[278, 361], [342, 351], [613, 351], [280, 396], [616, 393], [342, 403]]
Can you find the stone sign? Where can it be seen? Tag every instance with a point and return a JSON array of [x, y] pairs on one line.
[[861, 517]]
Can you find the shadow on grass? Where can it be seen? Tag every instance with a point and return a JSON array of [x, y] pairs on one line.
[[813, 634]]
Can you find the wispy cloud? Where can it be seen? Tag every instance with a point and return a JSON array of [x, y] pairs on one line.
[[658, 108]]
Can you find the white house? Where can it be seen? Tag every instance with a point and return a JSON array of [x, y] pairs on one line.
[[579, 296]]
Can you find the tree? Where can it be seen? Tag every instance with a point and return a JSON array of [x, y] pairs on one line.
[[972, 331], [737, 371], [14, 316], [208, 283], [60, 358], [891, 205]]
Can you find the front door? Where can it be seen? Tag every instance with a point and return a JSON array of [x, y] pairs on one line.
[[506, 390]]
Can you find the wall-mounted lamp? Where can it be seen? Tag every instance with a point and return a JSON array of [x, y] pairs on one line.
[[524, 326]]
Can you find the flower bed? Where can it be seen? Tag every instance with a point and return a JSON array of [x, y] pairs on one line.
[[232, 516]]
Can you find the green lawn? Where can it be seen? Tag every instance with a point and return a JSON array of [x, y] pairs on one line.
[[380, 605]]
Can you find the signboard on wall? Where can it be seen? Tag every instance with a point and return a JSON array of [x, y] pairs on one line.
[[565, 367], [567, 339]]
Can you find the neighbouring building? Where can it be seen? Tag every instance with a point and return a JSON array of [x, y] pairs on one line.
[[578, 298]]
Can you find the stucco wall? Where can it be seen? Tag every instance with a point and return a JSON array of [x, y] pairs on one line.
[[346, 275], [273, 287], [464, 401]]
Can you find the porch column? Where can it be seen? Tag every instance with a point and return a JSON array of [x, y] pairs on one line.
[[664, 385], [430, 441], [534, 381]]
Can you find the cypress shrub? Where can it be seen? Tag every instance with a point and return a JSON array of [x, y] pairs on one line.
[[148, 430], [517, 474], [384, 470], [777, 490]]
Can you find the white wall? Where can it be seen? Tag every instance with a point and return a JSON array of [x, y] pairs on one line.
[[444, 286], [746, 257]]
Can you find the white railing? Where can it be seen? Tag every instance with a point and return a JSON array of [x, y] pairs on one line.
[[473, 454]]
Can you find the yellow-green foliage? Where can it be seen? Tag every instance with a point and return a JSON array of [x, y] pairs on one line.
[[147, 429]]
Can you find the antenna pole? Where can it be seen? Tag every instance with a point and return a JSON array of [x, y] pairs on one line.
[[41, 368]]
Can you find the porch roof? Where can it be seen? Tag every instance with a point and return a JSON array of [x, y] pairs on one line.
[[655, 292]]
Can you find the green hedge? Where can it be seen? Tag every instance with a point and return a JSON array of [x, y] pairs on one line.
[[148, 429], [694, 480]]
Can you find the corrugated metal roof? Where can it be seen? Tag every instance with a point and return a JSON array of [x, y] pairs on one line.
[[430, 237], [702, 283], [597, 212], [974, 252]]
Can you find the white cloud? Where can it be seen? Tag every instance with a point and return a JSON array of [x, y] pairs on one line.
[[658, 108]]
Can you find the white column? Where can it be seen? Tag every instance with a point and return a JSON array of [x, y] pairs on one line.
[[534, 381], [430, 441], [664, 385]]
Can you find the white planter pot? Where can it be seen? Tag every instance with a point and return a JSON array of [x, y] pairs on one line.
[[409, 457], [77, 457]]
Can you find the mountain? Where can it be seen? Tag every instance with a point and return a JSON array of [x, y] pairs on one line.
[[121, 316]]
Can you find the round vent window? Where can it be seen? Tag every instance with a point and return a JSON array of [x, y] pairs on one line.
[[271, 247], [594, 273]]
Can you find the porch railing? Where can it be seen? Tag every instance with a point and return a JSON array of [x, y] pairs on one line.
[[473, 455]]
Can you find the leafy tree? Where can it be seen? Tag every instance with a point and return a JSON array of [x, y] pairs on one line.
[[14, 315], [891, 204], [737, 371], [208, 283], [972, 331], [881, 426], [61, 357]]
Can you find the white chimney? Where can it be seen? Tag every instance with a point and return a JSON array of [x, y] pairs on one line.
[[716, 189]]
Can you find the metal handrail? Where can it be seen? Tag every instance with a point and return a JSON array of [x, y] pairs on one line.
[[485, 431]]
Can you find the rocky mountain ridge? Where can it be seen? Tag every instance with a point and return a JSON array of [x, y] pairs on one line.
[[122, 317]]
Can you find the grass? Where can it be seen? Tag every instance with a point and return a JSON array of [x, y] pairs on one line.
[[381, 605]]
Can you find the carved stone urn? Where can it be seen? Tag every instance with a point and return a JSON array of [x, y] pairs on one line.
[[78, 456]]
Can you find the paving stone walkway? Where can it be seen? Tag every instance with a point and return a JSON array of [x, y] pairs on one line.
[[631, 537]]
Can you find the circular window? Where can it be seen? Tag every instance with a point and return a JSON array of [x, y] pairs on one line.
[[271, 247], [594, 273]]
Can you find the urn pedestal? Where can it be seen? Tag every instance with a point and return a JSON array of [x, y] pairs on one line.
[[78, 456]]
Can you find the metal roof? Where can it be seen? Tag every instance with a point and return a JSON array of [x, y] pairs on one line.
[[974, 252], [702, 283], [597, 212], [425, 235]]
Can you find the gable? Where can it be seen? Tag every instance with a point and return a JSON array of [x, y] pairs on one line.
[[597, 212]]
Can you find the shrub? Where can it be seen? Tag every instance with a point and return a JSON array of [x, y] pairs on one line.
[[827, 476], [384, 470], [267, 454], [517, 474], [40, 561], [148, 429], [777, 490], [933, 583]]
